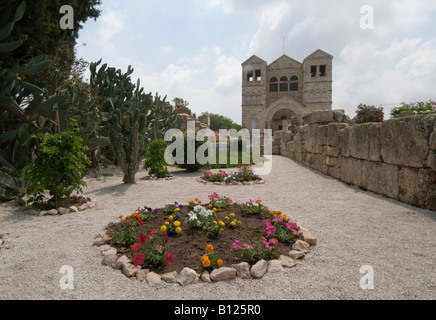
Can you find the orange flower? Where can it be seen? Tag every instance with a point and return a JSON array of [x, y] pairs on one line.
[[199, 201], [120, 216], [134, 215], [271, 212], [219, 262], [204, 257], [191, 202], [209, 248], [285, 217], [278, 211], [140, 216], [196, 199], [127, 217], [205, 261]]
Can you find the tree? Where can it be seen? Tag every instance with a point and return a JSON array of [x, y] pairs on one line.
[[40, 27], [221, 122]]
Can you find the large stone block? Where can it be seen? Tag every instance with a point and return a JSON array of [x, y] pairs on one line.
[[344, 142], [321, 138], [347, 172], [405, 141], [320, 117], [381, 178], [334, 132], [418, 187], [365, 141]]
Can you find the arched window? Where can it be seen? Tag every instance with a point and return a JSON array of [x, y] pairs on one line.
[[284, 84], [294, 83], [273, 86]]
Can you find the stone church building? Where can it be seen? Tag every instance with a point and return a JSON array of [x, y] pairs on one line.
[[276, 95]]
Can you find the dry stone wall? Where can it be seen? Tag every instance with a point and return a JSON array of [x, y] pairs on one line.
[[396, 158]]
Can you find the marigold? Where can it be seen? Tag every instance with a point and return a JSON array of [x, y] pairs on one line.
[[222, 224], [163, 228], [127, 217], [219, 262], [204, 257], [209, 248], [170, 218], [206, 263], [167, 223], [285, 217], [120, 216], [176, 209], [196, 199], [178, 230], [177, 223], [233, 223], [232, 215], [271, 212], [140, 216]]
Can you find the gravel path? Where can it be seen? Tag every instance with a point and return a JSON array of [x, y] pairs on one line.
[[354, 229]]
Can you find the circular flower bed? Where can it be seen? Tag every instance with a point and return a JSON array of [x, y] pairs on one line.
[[244, 175], [201, 236]]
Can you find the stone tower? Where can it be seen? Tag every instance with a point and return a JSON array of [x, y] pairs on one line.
[[274, 95]]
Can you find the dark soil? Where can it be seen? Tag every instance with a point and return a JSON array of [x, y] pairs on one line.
[[188, 246]]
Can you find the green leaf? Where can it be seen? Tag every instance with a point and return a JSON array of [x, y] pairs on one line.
[[8, 136], [38, 67], [53, 100], [6, 164], [98, 142], [6, 30], [10, 46], [7, 180], [30, 86], [19, 13]]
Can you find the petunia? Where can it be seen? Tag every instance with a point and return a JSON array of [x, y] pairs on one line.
[[138, 259], [142, 238], [236, 245], [168, 258]]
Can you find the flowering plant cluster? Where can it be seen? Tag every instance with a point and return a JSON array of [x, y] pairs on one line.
[[416, 108], [172, 226], [211, 259], [171, 208], [129, 230], [257, 249], [231, 222], [365, 113], [147, 213], [193, 203], [218, 201], [246, 172], [220, 176], [150, 250], [252, 207], [281, 230], [200, 217]]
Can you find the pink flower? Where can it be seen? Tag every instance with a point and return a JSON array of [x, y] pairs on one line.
[[168, 258], [236, 245], [159, 248], [138, 259], [248, 246], [277, 219]]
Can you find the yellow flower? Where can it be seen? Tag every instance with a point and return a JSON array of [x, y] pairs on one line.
[[170, 218], [209, 248], [177, 223], [232, 215], [210, 205], [167, 223], [214, 210], [178, 230], [222, 224], [177, 209], [233, 223], [219, 262], [163, 228], [227, 218], [240, 222], [215, 222]]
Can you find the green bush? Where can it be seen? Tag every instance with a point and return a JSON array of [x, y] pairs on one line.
[[190, 167], [415, 107], [59, 166], [155, 159]]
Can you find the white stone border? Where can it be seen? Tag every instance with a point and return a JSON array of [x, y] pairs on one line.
[[90, 203]]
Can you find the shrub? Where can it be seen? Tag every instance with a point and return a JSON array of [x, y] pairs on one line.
[[155, 159], [365, 113], [129, 230], [151, 250], [190, 167], [59, 166], [415, 107], [257, 249]]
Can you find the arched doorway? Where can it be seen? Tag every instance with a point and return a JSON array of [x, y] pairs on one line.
[[280, 113]]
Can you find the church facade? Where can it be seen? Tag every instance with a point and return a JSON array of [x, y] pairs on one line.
[[279, 94]]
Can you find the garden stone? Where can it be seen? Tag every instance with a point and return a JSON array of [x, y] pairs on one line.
[[287, 262], [170, 277], [275, 266], [295, 254], [223, 273], [141, 275], [51, 212], [91, 204], [74, 209], [186, 276], [308, 237], [205, 277], [153, 278], [109, 257], [242, 270], [130, 270], [259, 269], [301, 245], [63, 210], [121, 261], [105, 247], [98, 242], [83, 206]]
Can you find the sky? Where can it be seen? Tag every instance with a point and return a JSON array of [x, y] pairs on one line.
[[384, 51]]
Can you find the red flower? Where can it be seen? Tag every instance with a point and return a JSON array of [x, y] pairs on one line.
[[135, 247], [138, 259], [166, 237], [168, 258], [141, 238], [140, 222]]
